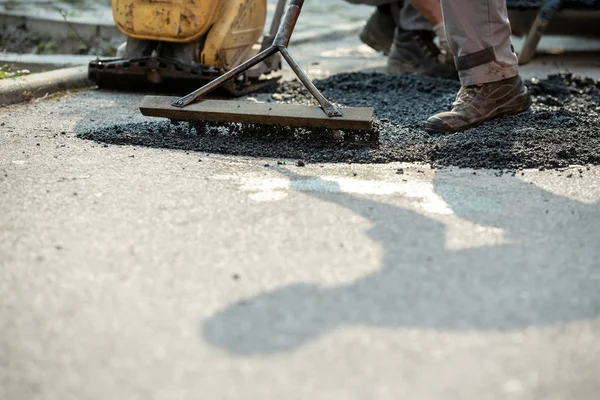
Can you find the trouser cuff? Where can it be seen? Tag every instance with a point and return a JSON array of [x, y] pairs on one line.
[[486, 73]]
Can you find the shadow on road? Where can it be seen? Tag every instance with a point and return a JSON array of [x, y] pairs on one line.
[[541, 276]]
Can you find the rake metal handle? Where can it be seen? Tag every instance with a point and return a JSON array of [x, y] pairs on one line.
[[280, 44]]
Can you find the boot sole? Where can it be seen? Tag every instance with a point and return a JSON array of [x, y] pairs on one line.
[[505, 110]]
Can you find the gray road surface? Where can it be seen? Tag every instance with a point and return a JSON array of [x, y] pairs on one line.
[[136, 273]]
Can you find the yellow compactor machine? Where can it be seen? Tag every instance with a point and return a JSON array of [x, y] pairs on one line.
[[179, 44]]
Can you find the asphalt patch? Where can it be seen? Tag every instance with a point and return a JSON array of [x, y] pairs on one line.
[[562, 127]]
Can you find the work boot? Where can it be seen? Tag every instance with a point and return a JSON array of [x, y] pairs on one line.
[[415, 52], [479, 103], [378, 33]]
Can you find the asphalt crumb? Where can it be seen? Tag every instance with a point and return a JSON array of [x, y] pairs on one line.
[[562, 127]]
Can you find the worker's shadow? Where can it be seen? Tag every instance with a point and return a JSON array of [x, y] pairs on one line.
[[546, 272]]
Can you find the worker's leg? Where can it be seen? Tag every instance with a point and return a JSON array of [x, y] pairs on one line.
[[378, 32], [411, 19], [431, 11], [413, 49], [409, 15], [399, 29], [479, 36]]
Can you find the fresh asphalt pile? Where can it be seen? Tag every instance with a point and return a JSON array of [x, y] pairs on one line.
[[562, 127]]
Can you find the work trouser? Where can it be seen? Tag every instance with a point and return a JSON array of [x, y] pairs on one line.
[[479, 35], [405, 15]]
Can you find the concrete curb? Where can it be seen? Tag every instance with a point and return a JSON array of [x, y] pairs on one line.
[[17, 90]]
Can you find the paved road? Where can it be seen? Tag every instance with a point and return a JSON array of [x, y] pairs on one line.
[[137, 273]]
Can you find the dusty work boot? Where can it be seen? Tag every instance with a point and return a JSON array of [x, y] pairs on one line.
[[477, 104], [378, 33], [415, 52]]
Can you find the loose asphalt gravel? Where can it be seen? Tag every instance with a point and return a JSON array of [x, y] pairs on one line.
[[562, 127]]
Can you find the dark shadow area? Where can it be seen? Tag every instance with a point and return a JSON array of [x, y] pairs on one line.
[[540, 276], [562, 128]]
